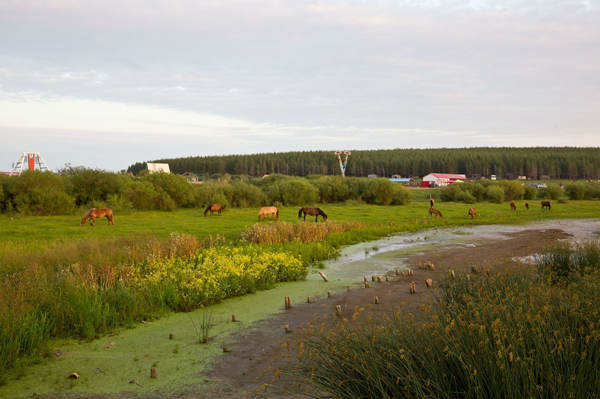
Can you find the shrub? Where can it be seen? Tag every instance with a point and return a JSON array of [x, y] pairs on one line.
[[89, 185], [494, 194], [400, 196], [451, 192], [553, 191], [576, 191], [292, 191], [246, 195], [466, 197], [378, 191], [176, 187], [332, 188], [529, 192], [513, 190]]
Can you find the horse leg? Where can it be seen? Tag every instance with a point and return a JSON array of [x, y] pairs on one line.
[[93, 220], [317, 218]]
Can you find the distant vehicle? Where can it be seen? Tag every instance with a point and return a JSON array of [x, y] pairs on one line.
[[539, 185]]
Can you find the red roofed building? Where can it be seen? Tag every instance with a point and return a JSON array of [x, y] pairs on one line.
[[442, 179]]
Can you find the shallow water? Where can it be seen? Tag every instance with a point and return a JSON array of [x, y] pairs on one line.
[[180, 362]]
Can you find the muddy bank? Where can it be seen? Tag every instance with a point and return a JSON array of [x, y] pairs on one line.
[[253, 367]]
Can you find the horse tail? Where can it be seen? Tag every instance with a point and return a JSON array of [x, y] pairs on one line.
[[207, 209], [300, 213], [277, 213]]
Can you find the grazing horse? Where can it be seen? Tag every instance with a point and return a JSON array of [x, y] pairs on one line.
[[431, 202], [312, 212], [546, 204], [527, 205], [513, 206], [433, 211], [268, 210], [472, 212], [94, 213], [214, 208]]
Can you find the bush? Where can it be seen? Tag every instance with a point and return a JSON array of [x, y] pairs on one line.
[[529, 193], [246, 195], [90, 185], [41, 193], [575, 191], [466, 197], [400, 196], [378, 191], [176, 187], [553, 192], [513, 190], [332, 189], [292, 191], [494, 194], [451, 192]]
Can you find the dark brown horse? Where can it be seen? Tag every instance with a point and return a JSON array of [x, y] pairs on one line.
[[433, 211], [312, 212], [513, 206], [94, 213], [472, 212], [527, 205], [546, 204], [431, 202], [212, 208]]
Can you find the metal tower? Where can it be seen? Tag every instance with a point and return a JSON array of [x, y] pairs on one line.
[[343, 163], [31, 159]]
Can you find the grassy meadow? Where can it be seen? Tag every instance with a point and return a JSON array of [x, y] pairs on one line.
[[61, 280]]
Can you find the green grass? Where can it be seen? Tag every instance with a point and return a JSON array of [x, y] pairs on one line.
[[38, 230]]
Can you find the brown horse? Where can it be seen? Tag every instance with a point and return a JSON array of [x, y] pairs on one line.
[[214, 208], [431, 202], [546, 204], [94, 213], [472, 212], [312, 212], [268, 210], [527, 205], [513, 206], [433, 211]]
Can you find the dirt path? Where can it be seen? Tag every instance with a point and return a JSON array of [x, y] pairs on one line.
[[251, 368]]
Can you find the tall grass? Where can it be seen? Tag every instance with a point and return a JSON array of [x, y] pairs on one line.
[[564, 261], [499, 336], [277, 233], [45, 300]]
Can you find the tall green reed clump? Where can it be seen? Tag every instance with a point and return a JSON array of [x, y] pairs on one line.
[[564, 261], [501, 336]]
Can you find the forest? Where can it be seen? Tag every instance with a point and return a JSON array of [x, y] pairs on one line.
[[505, 162]]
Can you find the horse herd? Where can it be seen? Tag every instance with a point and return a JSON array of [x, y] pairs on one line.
[[473, 212], [273, 213]]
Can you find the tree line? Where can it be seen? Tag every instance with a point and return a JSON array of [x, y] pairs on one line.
[[505, 162]]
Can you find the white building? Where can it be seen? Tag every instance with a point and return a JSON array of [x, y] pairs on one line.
[[158, 167], [442, 179]]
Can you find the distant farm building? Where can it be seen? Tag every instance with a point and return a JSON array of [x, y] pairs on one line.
[[442, 179], [400, 179], [192, 178], [372, 176], [158, 168]]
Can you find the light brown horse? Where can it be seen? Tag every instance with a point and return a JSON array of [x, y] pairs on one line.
[[472, 213], [94, 213], [513, 206], [312, 212], [212, 208], [433, 211], [268, 210]]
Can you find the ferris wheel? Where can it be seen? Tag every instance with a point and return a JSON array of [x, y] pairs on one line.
[[344, 162], [33, 160]]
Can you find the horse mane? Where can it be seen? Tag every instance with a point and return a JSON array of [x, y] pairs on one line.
[[300, 213], [321, 212], [207, 209], [89, 212]]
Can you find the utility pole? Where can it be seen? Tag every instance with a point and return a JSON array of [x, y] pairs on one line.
[[343, 163]]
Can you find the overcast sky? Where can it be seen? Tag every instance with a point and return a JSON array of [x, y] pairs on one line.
[[108, 83]]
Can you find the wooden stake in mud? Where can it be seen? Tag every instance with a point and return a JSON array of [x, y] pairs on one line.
[[365, 279], [474, 270], [410, 272], [308, 300], [171, 336], [338, 310], [413, 287], [367, 285], [376, 300], [429, 283], [347, 288], [286, 328], [288, 302], [398, 272], [387, 278], [153, 373], [323, 276], [328, 294], [379, 280], [452, 274], [373, 278], [233, 319]]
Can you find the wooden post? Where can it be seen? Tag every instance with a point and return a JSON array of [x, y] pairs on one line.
[[233, 319], [338, 310], [288, 302], [286, 328], [410, 272], [308, 300], [153, 373], [387, 278], [379, 279], [413, 287], [347, 288], [323, 276], [373, 278], [429, 283], [328, 294], [365, 279], [171, 336], [452, 274], [367, 285], [376, 300]]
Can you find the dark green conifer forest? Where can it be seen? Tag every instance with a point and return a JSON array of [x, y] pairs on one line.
[[505, 162]]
